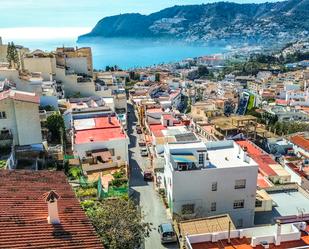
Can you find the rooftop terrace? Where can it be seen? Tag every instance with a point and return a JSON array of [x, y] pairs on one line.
[[227, 153], [97, 129], [286, 203]]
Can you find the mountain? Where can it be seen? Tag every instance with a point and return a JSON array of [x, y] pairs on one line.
[[206, 22]]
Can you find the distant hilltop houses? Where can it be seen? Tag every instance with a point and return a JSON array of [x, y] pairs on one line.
[[211, 152], [261, 23]]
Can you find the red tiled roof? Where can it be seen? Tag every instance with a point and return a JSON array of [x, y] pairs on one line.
[[156, 127], [157, 133], [167, 116], [262, 158], [262, 182], [296, 169], [23, 213], [281, 102], [300, 141], [154, 110], [17, 95]]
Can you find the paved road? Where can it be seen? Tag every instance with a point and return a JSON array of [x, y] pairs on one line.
[[144, 192]]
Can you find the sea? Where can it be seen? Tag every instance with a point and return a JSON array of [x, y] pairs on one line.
[[130, 53]]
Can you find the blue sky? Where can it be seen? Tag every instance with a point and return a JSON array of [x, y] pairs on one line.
[[80, 13]]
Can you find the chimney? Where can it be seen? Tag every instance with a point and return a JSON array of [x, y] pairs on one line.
[[109, 118], [246, 156], [278, 233], [51, 198], [51, 77]]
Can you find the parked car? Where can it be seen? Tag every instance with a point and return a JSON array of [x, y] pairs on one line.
[[167, 233], [142, 143], [138, 130], [148, 176], [144, 151]]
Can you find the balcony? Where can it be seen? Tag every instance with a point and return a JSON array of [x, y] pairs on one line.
[[184, 162]]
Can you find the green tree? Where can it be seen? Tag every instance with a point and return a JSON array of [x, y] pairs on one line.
[[157, 77], [118, 223], [55, 125], [12, 55], [202, 71]]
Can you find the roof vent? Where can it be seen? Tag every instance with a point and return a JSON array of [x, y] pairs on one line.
[[91, 139]]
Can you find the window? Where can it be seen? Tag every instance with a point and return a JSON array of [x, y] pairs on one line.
[[239, 204], [258, 203], [2, 115], [240, 184], [214, 186], [187, 209], [201, 159], [213, 206]]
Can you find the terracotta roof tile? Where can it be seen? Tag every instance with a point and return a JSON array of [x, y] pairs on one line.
[[300, 141], [23, 213], [262, 158]]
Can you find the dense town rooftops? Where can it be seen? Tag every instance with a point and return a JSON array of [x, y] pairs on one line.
[[20, 96], [24, 212]]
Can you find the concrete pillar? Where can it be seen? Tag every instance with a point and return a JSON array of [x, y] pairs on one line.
[[278, 234]]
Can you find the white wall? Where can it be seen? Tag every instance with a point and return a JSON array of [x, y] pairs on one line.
[[23, 120], [78, 64], [44, 65], [197, 190], [289, 232], [28, 123], [119, 145]]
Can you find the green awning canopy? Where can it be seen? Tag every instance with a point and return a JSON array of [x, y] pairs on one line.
[[184, 158]]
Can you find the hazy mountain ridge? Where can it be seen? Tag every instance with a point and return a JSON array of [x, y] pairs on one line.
[[222, 20]]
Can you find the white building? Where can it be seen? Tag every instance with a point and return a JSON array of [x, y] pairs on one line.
[[104, 132], [72, 75], [19, 118], [270, 236], [210, 179]]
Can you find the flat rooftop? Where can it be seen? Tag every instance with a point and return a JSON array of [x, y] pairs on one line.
[[287, 203], [97, 129], [227, 153], [96, 123]]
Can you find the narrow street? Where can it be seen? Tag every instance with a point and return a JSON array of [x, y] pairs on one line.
[[143, 192]]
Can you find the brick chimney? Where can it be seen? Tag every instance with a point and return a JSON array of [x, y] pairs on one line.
[[51, 198]]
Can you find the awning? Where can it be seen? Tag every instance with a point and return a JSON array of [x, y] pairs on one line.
[[184, 158]]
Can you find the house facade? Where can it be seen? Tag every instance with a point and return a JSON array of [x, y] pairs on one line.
[[19, 118], [210, 179]]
